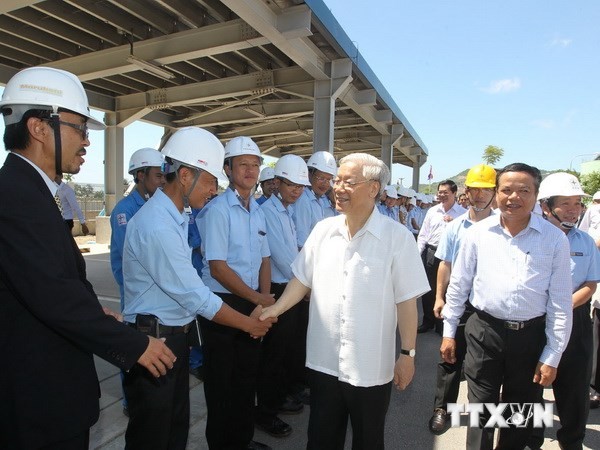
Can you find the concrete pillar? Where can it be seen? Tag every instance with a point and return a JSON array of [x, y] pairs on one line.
[[387, 150], [113, 162], [416, 173], [326, 92]]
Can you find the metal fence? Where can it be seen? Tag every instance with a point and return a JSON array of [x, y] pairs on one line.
[[91, 207]]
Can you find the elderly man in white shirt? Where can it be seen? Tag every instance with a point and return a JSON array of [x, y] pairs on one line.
[[364, 274]]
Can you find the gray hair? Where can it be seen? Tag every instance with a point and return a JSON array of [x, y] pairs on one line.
[[372, 168]]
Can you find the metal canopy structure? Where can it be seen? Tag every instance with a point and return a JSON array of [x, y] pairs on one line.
[[280, 71]]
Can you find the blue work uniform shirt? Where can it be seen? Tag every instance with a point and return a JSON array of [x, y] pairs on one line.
[[585, 258], [233, 234], [119, 218], [157, 267], [306, 212], [283, 242]]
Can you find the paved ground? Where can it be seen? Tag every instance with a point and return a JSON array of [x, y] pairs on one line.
[[406, 420]]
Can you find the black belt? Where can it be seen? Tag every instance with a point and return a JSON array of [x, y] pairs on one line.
[[167, 330], [514, 325]]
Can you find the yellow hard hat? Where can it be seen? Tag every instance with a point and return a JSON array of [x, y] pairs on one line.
[[481, 176]]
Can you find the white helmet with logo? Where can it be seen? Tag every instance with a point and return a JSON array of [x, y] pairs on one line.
[[323, 161], [391, 191], [45, 88], [198, 148], [144, 157], [241, 145], [266, 174], [560, 183], [292, 168]]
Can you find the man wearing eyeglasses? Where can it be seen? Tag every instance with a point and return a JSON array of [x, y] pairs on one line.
[[278, 362], [428, 239], [363, 273], [51, 322]]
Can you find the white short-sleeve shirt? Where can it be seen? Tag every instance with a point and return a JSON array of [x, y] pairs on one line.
[[356, 284]]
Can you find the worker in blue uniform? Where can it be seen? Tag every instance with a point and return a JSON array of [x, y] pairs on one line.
[[237, 268], [163, 292]]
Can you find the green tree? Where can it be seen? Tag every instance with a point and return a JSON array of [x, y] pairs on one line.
[[590, 182], [84, 190], [492, 154]]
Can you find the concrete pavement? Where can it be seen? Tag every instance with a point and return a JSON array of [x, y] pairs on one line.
[[407, 417]]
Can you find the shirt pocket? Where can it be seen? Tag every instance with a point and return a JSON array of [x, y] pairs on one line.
[[538, 269]]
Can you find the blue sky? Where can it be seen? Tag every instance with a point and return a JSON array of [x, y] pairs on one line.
[[522, 75]]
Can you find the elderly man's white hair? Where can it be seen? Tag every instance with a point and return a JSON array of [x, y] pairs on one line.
[[372, 168]]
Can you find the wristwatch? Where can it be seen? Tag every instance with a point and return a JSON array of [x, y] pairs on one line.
[[412, 352]]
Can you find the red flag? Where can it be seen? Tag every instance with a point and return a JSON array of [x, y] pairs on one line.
[[430, 176]]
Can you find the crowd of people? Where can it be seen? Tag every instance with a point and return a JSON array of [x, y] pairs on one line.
[[288, 299]]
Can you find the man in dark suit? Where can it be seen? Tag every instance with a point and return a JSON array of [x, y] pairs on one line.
[[51, 322]]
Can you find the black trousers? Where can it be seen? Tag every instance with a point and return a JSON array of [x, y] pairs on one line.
[[431, 264], [298, 371], [499, 358], [159, 408], [448, 375], [595, 379], [571, 390], [274, 374], [231, 359], [333, 401], [79, 442]]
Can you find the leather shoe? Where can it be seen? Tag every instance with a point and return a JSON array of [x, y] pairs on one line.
[[437, 423], [424, 327], [274, 426], [594, 401], [291, 406], [302, 396], [253, 445]]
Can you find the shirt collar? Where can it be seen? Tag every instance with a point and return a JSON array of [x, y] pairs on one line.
[[535, 222], [52, 186], [374, 225], [179, 217], [277, 202]]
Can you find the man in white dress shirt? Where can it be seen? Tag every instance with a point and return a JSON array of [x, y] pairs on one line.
[[515, 269], [365, 275]]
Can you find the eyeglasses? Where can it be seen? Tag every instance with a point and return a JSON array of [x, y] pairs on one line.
[[347, 184], [291, 185], [82, 127], [321, 179]]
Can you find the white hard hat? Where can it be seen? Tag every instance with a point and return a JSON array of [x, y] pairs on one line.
[[560, 183], [198, 148], [391, 191], [410, 192], [45, 88], [266, 174], [413, 201], [145, 157], [323, 161], [403, 192], [241, 145], [292, 168]]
